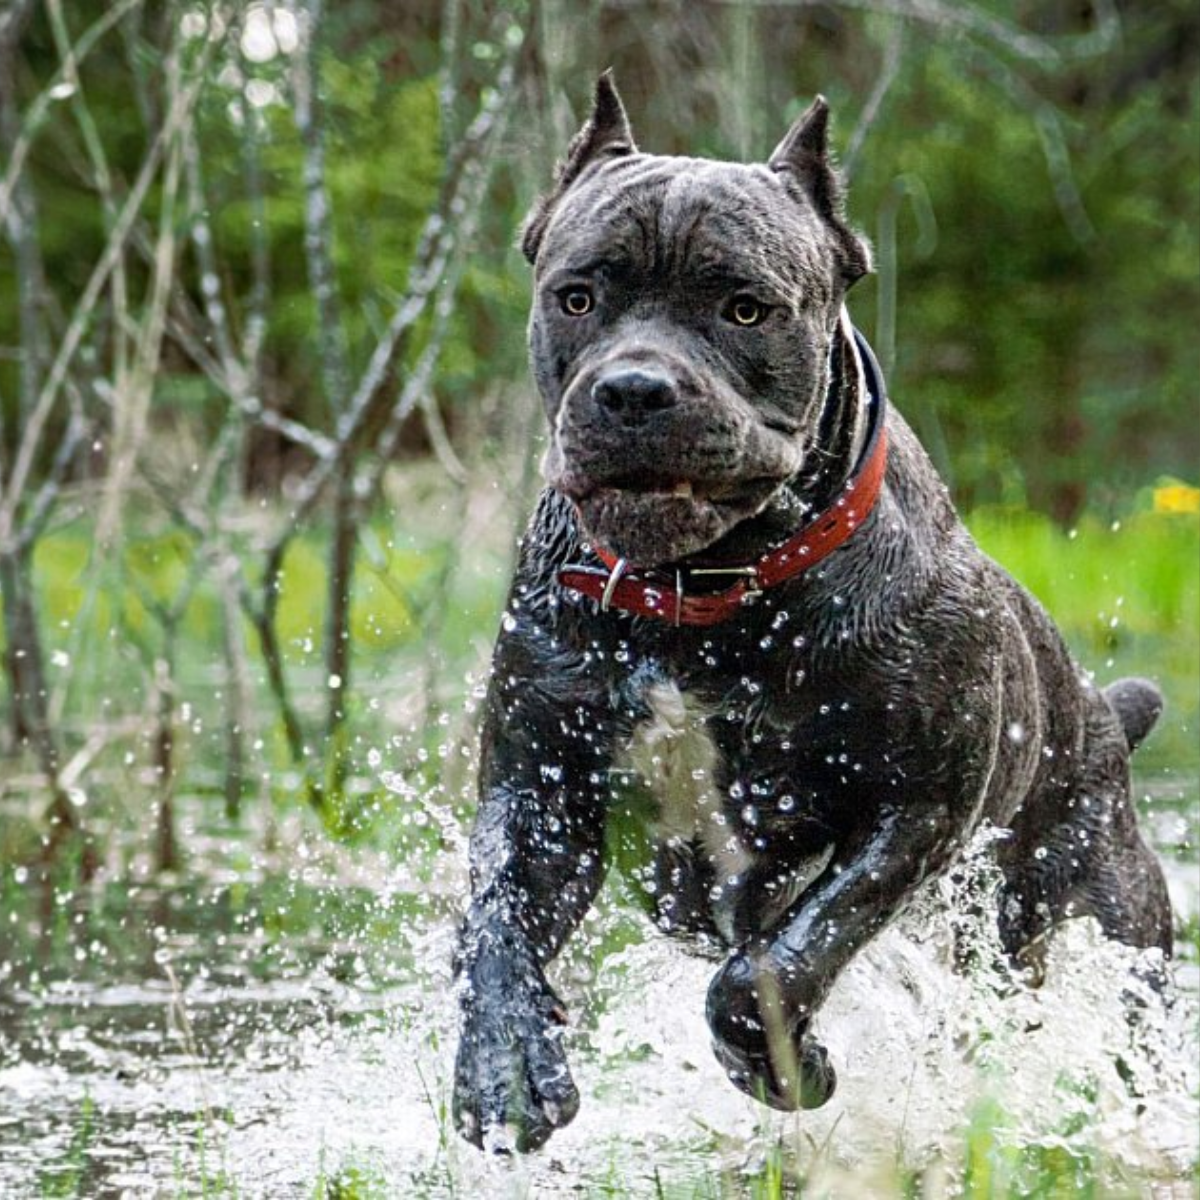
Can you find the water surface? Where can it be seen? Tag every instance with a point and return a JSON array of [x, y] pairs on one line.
[[278, 1023]]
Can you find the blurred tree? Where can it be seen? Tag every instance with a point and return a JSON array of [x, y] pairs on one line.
[[1057, 150], [255, 254]]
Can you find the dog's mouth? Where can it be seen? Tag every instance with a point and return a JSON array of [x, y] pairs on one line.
[[651, 521], [688, 491]]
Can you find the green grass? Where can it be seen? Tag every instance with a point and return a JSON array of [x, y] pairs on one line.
[[1126, 596], [989, 1162], [68, 1176], [1143, 572]]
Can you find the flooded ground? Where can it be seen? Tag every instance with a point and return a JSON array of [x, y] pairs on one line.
[[282, 1024]]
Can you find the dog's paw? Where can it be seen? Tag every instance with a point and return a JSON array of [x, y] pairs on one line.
[[764, 1048], [512, 1085], [806, 1080]]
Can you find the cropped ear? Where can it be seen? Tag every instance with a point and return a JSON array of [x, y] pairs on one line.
[[605, 134], [803, 155]]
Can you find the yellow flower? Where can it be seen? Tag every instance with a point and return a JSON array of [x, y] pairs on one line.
[[1177, 498]]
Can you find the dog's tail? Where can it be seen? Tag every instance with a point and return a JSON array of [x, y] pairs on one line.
[[1137, 703]]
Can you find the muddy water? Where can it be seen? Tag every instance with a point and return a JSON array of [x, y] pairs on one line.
[[275, 1025]]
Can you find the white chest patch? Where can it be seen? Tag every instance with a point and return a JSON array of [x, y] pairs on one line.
[[674, 754]]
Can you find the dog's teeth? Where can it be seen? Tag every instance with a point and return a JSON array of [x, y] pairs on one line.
[[683, 490]]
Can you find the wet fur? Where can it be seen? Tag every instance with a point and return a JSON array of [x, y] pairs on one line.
[[858, 723]]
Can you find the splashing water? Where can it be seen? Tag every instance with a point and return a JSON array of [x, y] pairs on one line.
[[284, 1045]]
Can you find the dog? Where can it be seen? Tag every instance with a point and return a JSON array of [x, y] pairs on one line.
[[745, 589]]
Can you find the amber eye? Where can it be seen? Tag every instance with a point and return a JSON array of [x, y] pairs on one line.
[[577, 302], [745, 310]]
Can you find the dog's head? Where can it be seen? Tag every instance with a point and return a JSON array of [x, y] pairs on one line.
[[681, 331]]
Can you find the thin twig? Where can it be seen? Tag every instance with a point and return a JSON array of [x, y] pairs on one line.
[[42, 103], [893, 55], [970, 19], [433, 252], [133, 392], [101, 175], [488, 124], [180, 110]]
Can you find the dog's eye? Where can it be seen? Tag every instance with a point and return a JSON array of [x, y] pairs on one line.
[[745, 310], [577, 301]]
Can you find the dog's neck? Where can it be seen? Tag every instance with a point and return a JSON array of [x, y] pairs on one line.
[[835, 449], [841, 431]]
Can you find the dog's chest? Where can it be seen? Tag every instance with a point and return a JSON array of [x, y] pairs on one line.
[[709, 867], [674, 755]]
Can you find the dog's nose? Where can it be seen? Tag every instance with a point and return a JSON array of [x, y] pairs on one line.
[[632, 394]]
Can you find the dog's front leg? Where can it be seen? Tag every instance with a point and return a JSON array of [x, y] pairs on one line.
[[536, 864], [761, 1002]]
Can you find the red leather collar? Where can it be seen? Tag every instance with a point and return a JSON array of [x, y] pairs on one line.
[[659, 593]]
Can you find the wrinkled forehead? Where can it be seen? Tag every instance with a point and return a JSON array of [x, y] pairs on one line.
[[689, 217]]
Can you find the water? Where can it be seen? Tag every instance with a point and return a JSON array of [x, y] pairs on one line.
[[275, 1024]]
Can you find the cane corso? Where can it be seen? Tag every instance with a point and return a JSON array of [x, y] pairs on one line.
[[745, 597]]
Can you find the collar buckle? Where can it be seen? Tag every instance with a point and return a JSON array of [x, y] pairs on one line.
[[749, 576]]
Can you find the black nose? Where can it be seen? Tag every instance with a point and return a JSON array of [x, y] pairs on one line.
[[632, 393]]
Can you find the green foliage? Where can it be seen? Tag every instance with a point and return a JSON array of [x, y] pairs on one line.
[[997, 1166], [384, 160], [352, 1183], [1125, 594], [1103, 581], [1041, 361]]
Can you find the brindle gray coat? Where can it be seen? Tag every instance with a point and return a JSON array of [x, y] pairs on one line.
[[827, 750]]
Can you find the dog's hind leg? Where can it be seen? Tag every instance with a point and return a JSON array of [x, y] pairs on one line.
[[1126, 891], [1093, 860]]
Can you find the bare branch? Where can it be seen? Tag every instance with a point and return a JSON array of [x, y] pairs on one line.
[[183, 324], [237, 684], [22, 228], [94, 146], [134, 389], [318, 235], [960, 18], [466, 186], [43, 504], [473, 189], [180, 110], [41, 105], [893, 55]]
